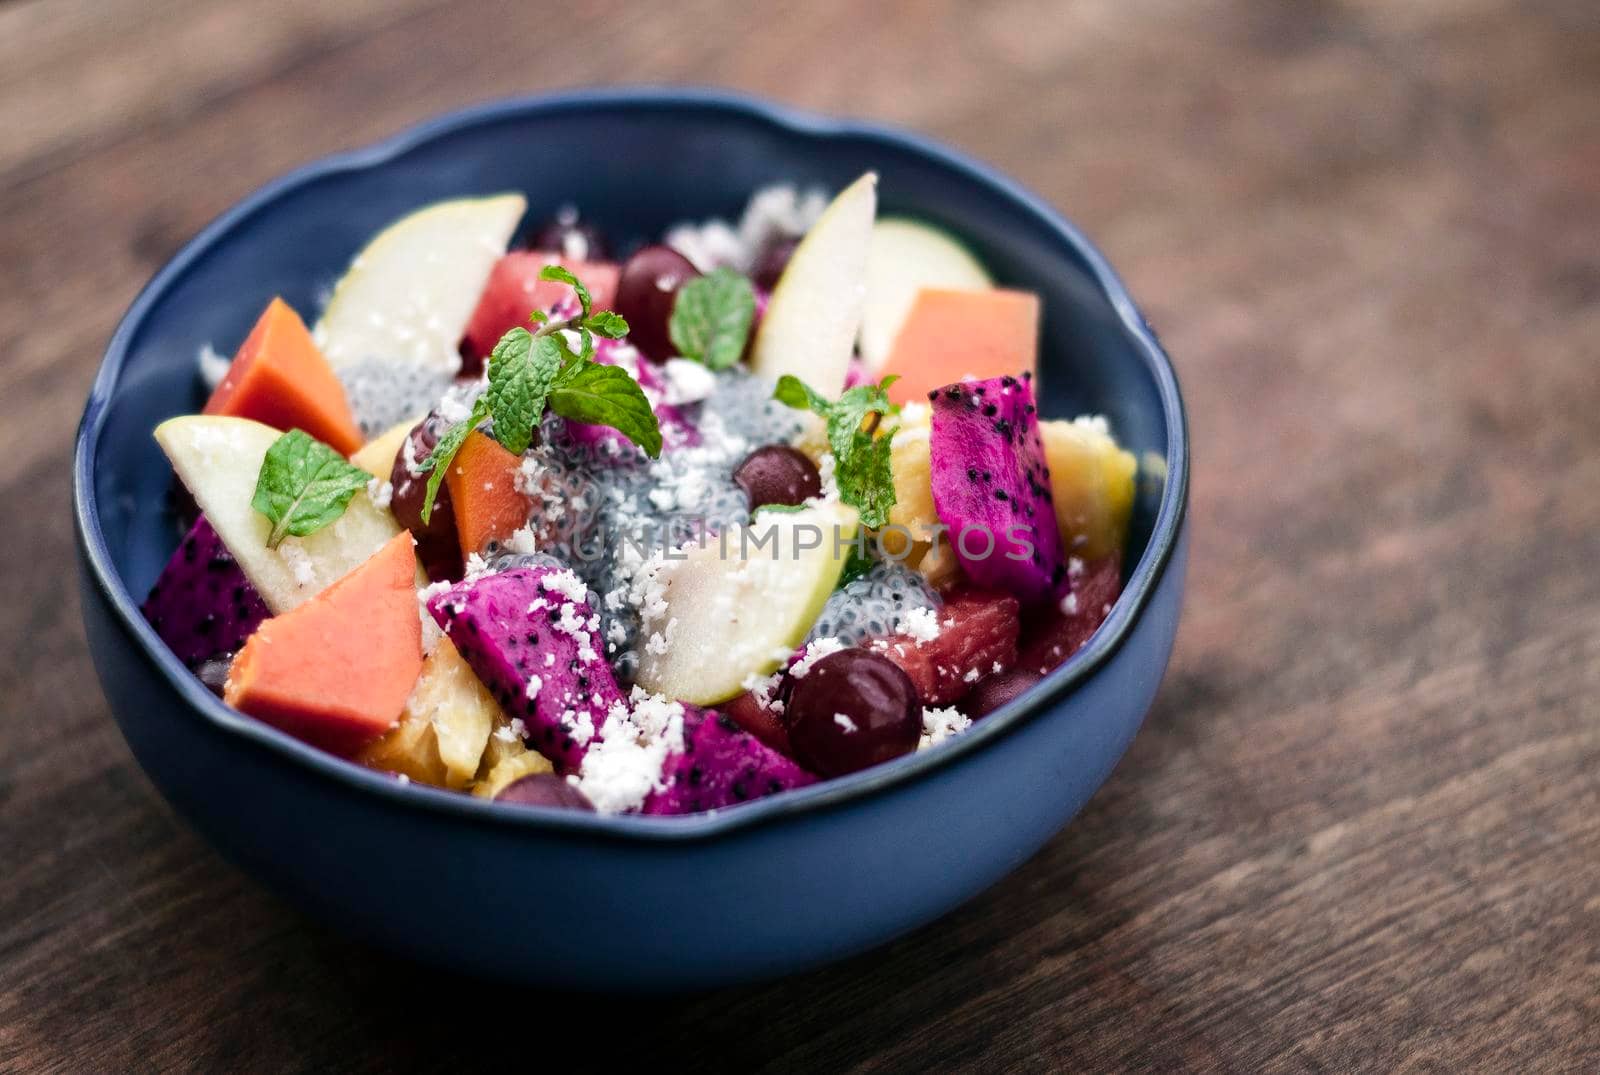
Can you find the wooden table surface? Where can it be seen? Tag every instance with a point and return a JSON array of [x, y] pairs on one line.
[[1361, 828]]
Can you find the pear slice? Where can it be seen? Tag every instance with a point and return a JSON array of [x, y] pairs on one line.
[[738, 606], [411, 291], [814, 314], [904, 257], [218, 460]]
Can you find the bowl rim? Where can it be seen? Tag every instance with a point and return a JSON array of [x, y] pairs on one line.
[[789, 122]]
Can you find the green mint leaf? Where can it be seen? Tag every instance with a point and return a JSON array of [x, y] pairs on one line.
[[795, 393], [861, 460], [438, 462], [556, 272], [607, 396], [570, 360], [711, 318], [538, 317], [613, 326], [883, 386], [521, 370], [303, 486], [845, 417], [866, 480]]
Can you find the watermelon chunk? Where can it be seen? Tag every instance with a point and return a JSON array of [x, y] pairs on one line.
[[977, 637], [760, 720], [514, 291], [1058, 629]]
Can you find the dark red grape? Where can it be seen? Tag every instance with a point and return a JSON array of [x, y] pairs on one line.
[[438, 547], [645, 294], [852, 709], [572, 238], [544, 789], [771, 262], [993, 691], [777, 474]]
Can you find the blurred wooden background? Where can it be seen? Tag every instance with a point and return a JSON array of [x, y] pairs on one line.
[[1361, 829]]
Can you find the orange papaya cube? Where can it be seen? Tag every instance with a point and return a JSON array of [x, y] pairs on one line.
[[483, 493], [279, 378], [949, 336], [336, 670]]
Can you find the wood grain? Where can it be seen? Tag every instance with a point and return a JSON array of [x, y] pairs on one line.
[[1361, 829]]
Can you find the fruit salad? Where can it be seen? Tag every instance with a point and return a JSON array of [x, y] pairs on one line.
[[660, 530]]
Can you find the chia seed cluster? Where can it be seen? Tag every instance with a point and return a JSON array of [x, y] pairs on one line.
[[873, 605]]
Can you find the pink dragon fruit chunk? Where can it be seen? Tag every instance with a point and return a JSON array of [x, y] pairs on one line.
[[991, 486], [534, 642], [202, 606], [532, 637], [721, 765]]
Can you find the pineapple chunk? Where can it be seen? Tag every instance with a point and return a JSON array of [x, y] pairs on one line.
[[911, 467], [939, 564], [459, 707], [410, 749], [503, 745], [1091, 480], [444, 731], [510, 769], [376, 457], [913, 513]]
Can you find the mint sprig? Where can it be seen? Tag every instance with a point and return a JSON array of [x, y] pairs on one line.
[[711, 318], [565, 276], [608, 324], [438, 462], [860, 450], [608, 396], [531, 372], [522, 370], [304, 485], [867, 481]]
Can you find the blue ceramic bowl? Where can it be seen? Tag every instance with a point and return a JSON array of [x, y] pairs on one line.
[[553, 898]]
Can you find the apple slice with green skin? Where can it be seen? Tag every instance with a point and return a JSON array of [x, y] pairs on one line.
[[218, 459], [411, 291], [730, 617], [904, 257], [814, 314]]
